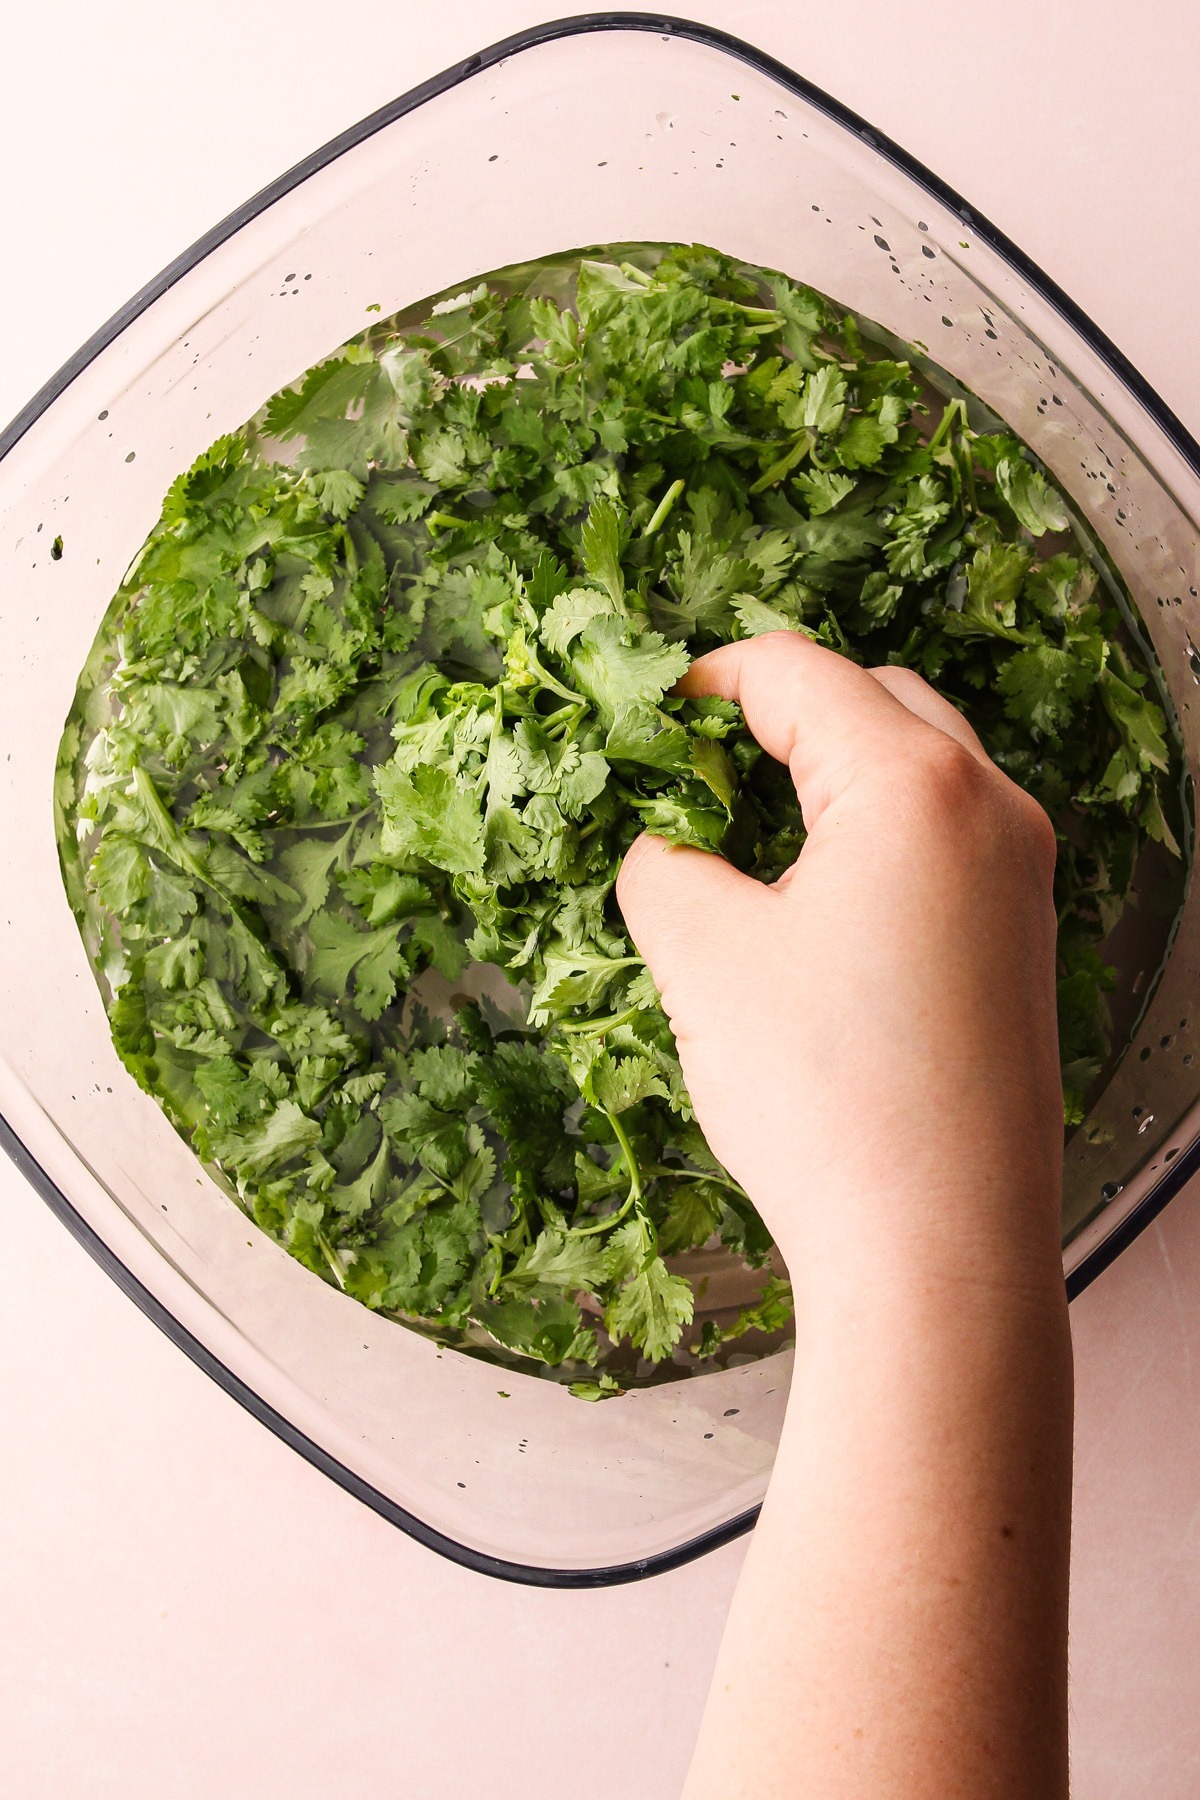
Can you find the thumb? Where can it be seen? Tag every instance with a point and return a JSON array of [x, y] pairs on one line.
[[686, 911]]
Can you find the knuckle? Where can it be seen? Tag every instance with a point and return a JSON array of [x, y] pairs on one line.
[[976, 801], [950, 775], [900, 680], [1037, 828]]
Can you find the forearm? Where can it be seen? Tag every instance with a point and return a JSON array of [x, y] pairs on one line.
[[882, 1019], [899, 1631]]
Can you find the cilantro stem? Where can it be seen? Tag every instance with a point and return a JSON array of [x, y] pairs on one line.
[[765, 315], [348, 821], [954, 409], [170, 837], [954, 430], [448, 343], [783, 465], [493, 734], [330, 1256], [170, 844], [565, 720], [597, 1027], [663, 508], [725, 1181], [548, 680], [968, 471], [631, 1161], [632, 1198], [612, 1218]]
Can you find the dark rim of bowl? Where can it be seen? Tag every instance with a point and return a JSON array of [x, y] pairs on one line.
[[709, 36]]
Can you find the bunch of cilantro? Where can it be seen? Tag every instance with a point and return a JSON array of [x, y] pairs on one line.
[[388, 694]]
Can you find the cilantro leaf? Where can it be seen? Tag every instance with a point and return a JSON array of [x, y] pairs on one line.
[[617, 666], [341, 950], [652, 1307], [1043, 686], [428, 813], [1036, 504]]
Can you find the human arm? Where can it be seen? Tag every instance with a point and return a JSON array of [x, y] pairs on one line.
[[871, 1049]]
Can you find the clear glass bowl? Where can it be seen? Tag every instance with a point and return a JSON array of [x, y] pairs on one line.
[[585, 132]]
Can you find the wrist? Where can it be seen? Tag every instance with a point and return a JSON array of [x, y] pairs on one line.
[[968, 1242]]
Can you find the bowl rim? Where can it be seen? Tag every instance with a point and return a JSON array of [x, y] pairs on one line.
[[532, 37]]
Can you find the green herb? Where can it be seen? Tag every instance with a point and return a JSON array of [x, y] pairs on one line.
[[389, 692]]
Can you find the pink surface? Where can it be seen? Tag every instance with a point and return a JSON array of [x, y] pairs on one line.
[[189, 1609]]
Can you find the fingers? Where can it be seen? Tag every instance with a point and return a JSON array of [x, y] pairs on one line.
[[917, 695], [809, 708], [687, 912], [829, 720]]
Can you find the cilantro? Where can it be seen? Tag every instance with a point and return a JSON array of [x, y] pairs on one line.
[[651, 1306], [769, 1312], [604, 1388], [398, 699], [1038, 507]]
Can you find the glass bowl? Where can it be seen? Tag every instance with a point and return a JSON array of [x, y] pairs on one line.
[[588, 131]]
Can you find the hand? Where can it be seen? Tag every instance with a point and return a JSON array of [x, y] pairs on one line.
[[871, 1049], [882, 1017]]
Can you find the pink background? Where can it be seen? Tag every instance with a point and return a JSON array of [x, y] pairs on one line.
[[189, 1609]]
